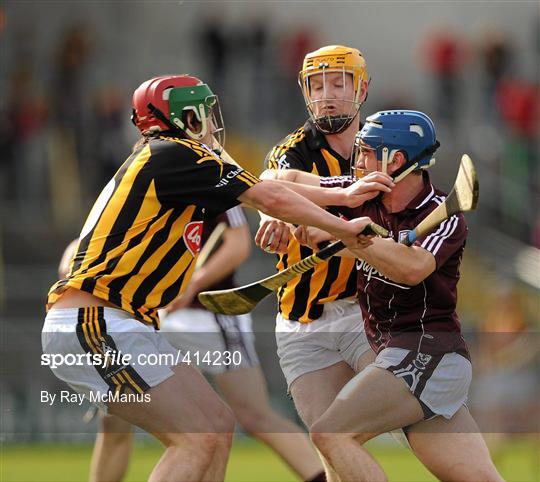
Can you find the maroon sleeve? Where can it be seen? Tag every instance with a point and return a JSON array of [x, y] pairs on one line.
[[336, 181], [446, 240]]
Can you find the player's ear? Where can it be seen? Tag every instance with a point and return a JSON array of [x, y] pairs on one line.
[[192, 122], [398, 161], [363, 91]]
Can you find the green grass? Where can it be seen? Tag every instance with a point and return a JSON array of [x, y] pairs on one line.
[[517, 460]]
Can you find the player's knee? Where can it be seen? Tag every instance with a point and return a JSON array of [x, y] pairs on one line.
[[111, 424], [201, 443], [323, 440]]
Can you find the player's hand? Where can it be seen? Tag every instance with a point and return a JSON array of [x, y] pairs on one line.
[[367, 188], [310, 236], [354, 240], [273, 235]]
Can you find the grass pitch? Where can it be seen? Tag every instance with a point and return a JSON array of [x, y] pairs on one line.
[[518, 461]]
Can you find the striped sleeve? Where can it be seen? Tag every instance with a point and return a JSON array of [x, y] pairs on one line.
[[446, 240], [336, 181], [236, 217]]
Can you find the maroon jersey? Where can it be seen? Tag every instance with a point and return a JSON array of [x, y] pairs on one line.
[[234, 217], [422, 317]]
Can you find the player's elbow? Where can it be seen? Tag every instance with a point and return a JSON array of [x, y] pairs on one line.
[[414, 275]]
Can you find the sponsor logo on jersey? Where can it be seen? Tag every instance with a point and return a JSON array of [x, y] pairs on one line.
[[370, 272], [282, 162], [225, 180], [193, 236], [367, 269]]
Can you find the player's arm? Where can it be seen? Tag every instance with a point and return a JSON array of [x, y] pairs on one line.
[[234, 250], [309, 186], [408, 265], [273, 235], [411, 265], [291, 175], [276, 200]]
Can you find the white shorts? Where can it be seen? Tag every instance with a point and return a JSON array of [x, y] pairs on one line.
[[140, 358], [214, 343], [338, 335], [439, 382]]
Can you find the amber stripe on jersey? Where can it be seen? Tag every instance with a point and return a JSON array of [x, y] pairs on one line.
[[132, 251], [302, 298], [93, 337]]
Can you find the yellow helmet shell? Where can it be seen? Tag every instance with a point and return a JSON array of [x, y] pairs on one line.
[[335, 58]]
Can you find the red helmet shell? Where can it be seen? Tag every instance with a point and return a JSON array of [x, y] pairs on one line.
[[155, 92]]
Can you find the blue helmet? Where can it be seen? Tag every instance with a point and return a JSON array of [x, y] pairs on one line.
[[409, 131]]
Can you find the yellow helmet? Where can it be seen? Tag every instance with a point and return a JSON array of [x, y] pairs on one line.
[[334, 58]]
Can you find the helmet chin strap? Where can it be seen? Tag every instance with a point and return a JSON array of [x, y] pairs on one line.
[[385, 160], [406, 169], [411, 165]]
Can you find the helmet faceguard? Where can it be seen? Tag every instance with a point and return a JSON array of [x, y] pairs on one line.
[[388, 132], [346, 62], [163, 103]]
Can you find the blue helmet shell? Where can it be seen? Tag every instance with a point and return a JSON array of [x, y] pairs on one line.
[[408, 131]]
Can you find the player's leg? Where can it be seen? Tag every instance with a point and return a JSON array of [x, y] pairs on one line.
[[197, 442], [244, 389], [318, 359], [194, 439], [373, 402], [242, 383], [314, 392], [110, 457], [454, 449]]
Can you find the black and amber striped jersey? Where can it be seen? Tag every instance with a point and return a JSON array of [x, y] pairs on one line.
[[138, 244], [302, 298], [233, 218]]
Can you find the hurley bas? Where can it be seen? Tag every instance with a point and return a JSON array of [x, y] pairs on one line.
[[65, 396]]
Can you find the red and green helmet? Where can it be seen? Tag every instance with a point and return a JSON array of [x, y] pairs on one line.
[[160, 104]]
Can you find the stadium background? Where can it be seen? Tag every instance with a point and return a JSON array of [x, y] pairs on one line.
[[66, 76]]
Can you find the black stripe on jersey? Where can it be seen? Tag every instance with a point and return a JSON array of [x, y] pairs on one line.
[[324, 170], [332, 274], [165, 265], [124, 220], [158, 239], [84, 242], [111, 264], [284, 259], [170, 293], [302, 289]]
